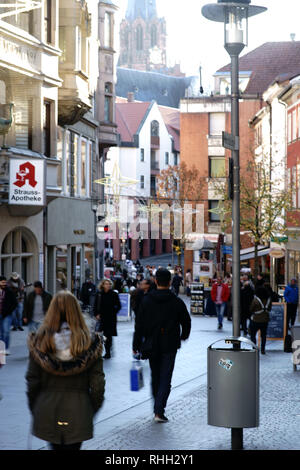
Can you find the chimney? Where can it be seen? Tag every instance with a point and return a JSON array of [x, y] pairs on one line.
[[130, 97]]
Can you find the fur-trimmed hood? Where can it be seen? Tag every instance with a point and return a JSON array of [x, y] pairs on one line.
[[53, 365]]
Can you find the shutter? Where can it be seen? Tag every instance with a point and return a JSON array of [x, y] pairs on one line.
[[23, 118], [216, 123]]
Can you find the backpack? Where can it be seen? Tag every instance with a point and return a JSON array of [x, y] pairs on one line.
[[265, 309]]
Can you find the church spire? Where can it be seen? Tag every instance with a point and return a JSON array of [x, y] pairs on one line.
[[145, 9]]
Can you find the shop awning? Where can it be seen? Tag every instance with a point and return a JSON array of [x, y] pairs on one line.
[[248, 253]]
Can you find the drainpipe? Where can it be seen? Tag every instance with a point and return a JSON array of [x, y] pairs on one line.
[[285, 166]]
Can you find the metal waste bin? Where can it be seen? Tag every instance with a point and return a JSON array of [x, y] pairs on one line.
[[295, 333], [233, 383]]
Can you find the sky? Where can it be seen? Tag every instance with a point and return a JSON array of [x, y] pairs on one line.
[[193, 40]]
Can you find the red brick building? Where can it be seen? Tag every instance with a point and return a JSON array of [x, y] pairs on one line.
[[203, 120]]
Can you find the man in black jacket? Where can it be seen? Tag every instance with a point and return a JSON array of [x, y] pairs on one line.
[[36, 306], [8, 303], [161, 323]]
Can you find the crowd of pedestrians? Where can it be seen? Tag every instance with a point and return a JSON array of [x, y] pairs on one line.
[[65, 378]]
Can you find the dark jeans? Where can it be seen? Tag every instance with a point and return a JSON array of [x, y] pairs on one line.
[[161, 370], [65, 446], [291, 314], [244, 324], [254, 327]]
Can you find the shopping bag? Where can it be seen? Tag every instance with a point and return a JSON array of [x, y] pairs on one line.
[[136, 376]]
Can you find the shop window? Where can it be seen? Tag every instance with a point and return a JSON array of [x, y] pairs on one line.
[[17, 254]]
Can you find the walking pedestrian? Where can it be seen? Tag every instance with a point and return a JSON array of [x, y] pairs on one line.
[[220, 294], [188, 282], [138, 295], [176, 283], [291, 296], [8, 303], [17, 285], [247, 294], [87, 293], [260, 315], [65, 379], [107, 305], [161, 323], [36, 306]]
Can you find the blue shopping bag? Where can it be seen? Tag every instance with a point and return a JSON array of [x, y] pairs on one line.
[[136, 376]]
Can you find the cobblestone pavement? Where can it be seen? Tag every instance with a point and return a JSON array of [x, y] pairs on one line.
[[125, 420]]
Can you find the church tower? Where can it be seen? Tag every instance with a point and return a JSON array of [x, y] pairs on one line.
[[143, 37]]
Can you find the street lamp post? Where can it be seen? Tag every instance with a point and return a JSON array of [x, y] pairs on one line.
[[235, 16]]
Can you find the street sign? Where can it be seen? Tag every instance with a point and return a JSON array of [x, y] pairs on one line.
[[227, 250], [230, 142]]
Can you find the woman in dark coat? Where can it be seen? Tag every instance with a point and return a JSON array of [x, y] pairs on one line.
[[65, 379], [107, 305]]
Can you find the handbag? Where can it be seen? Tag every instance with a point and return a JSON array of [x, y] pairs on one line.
[[136, 376]]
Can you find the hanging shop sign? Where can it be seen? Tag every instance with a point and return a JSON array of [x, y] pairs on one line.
[[26, 182]]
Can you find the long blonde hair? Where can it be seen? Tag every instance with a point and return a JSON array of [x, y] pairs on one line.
[[64, 307]]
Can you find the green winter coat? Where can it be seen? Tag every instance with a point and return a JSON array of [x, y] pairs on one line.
[[64, 396]]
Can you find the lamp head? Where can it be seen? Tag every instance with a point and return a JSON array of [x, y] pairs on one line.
[[234, 15]]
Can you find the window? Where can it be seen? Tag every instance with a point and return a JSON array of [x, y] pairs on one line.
[[142, 182], [298, 185], [139, 38], [142, 155], [23, 119], [175, 159], [216, 123], [153, 35], [298, 122], [294, 131], [2, 92], [78, 48], [167, 158], [108, 30], [213, 217], [47, 21], [294, 186], [47, 129], [289, 128], [155, 129], [108, 102], [83, 161], [217, 167], [258, 135], [75, 191]]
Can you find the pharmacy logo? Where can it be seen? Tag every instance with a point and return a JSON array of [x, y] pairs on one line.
[[26, 173]]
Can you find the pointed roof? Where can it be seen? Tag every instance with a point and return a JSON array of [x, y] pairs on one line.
[[145, 9], [129, 118], [268, 62]]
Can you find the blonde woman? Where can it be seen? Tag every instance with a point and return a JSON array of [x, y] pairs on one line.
[[65, 379], [107, 305]]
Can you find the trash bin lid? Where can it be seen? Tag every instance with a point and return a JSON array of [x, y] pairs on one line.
[[235, 339]]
